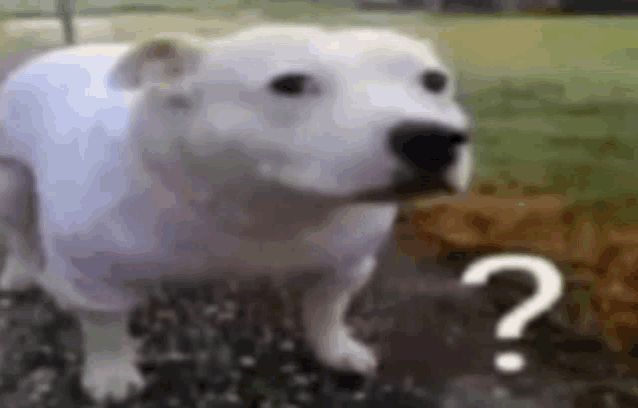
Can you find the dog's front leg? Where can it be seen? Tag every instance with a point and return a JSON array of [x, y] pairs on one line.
[[324, 312], [110, 366], [23, 265], [18, 219]]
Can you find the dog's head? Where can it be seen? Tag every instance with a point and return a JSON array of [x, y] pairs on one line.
[[358, 114]]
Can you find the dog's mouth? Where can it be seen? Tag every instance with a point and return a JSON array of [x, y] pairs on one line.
[[425, 184]]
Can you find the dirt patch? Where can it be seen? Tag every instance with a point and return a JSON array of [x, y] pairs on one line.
[[599, 258]]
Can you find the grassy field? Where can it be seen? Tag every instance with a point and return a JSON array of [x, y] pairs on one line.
[[555, 97]]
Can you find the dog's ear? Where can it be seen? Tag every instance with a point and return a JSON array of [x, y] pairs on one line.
[[156, 61]]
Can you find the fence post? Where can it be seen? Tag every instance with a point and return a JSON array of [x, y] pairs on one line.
[[509, 6], [64, 10], [436, 6]]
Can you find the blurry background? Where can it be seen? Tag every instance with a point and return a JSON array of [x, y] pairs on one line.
[[553, 85]]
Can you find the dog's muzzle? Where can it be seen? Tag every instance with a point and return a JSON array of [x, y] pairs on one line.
[[427, 154]]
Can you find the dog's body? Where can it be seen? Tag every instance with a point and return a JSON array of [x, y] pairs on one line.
[[271, 151]]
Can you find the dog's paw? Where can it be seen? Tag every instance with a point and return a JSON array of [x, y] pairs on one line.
[[116, 378], [344, 352]]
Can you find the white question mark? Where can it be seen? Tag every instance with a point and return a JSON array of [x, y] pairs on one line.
[[549, 284]]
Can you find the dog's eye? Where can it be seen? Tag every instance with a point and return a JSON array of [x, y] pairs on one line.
[[292, 85], [434, 81]]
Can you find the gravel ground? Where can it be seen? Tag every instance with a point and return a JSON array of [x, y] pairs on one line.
[[212, 347]]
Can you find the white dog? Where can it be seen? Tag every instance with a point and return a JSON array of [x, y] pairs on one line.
[[276, 149]]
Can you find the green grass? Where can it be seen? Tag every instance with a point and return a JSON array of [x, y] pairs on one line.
[[564, 113], [555, 97], [585, 148]]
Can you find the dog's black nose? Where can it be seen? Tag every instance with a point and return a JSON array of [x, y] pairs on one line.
[[425, 147]]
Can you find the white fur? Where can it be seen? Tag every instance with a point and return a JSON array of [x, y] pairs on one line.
[[93, 148]]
